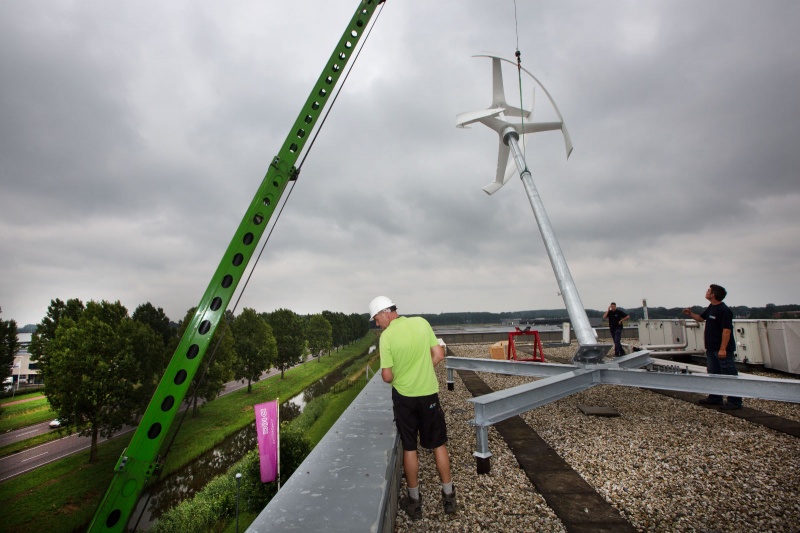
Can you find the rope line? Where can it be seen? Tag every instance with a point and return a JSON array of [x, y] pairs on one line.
[[518, 55], [341, 85]]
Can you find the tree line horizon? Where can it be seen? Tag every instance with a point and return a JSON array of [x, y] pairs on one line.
[[769, 311], [100, 365], [98, 351]]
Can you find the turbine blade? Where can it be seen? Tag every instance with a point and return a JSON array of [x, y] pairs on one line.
[[498, 92], [502, 162], [567, 139], [534, 127], [500, 178], [510, 171], [492, 188], [464, 119], [533, 101], [511, 111]]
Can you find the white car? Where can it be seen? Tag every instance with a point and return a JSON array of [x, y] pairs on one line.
[[55, 424]]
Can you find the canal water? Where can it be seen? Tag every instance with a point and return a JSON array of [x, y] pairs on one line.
[[183, 484]]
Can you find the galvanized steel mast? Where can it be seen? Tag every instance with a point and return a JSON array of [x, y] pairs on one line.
[[496, 117]]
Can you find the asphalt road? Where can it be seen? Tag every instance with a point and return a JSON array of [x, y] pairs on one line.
[[24, 461]]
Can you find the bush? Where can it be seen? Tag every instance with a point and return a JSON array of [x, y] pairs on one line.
[[311, 412], [218, 499]]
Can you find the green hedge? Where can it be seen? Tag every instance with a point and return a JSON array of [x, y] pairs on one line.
[[215, 505], [217, 501]]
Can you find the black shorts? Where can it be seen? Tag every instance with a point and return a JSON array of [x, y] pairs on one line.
[[419, 415]]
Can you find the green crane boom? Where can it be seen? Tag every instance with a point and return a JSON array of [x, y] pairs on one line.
[[140, 459]]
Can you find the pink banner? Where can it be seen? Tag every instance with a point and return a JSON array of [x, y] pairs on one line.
[[267, 431]]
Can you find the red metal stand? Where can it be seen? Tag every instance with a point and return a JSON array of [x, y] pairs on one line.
[[537, 345]]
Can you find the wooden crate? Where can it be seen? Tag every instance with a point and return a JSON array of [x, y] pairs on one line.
[[498, 350]]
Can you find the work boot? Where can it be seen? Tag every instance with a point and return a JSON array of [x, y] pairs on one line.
[[449, 502], [412, 507], [706, 401]]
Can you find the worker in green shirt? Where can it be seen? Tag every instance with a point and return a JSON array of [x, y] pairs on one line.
[[408, 351]]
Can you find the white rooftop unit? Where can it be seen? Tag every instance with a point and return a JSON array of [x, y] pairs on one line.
[[783, 345], [679, 334], [750, 336], [775, 344]]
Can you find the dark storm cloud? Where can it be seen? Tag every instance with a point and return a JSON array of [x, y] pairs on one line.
[[134, 136]]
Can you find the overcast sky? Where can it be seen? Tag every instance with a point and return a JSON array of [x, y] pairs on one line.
[[134, 135]]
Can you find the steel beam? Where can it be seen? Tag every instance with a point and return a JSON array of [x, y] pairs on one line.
[[498, 406], [781, 390], [499, 366], [536, 369], [565, 380]]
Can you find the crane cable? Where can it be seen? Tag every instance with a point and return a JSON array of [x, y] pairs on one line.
[[518, 55], [225, 322]]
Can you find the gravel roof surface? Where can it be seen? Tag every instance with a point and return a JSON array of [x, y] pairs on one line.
[[665, 464]]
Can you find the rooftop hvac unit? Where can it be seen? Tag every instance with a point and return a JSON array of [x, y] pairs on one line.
[[665, 333], [695, 340], [749, 336], [677, 331], [772, 343], [783, 340], [651, 332]]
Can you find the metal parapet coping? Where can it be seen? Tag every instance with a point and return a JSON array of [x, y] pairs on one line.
[[350, 480]]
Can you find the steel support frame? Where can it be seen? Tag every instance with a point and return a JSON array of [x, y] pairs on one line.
[[537, 346], [560, 381], [533, 369]]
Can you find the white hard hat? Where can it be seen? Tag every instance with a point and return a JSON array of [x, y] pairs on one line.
[[378, 304]]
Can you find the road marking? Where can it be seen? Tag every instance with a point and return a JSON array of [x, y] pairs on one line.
[[34, 457], [128, 429]]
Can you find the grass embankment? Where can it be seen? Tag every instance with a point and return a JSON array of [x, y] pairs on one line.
[[33, 409], [23, 411], [63, 495], [334, 405], [213, 508]]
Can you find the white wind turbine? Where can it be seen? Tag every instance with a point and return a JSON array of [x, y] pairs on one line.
[[588, 368], [509, 132]]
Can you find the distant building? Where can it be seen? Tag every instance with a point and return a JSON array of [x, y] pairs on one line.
[[24, 370]]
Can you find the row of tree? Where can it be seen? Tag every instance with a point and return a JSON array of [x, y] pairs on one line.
[[101, 366], [9, 346], [770, 311]]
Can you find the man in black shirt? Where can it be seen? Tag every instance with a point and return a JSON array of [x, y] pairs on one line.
[[616, 317], [719, 341]]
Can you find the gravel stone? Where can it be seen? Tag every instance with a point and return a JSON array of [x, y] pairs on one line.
[[665, 464]]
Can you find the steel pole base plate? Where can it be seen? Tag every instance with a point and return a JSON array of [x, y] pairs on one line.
[[591, 353], [484, 465]]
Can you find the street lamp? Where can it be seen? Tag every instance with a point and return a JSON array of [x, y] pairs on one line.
[[13, 389], [238, 482]]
